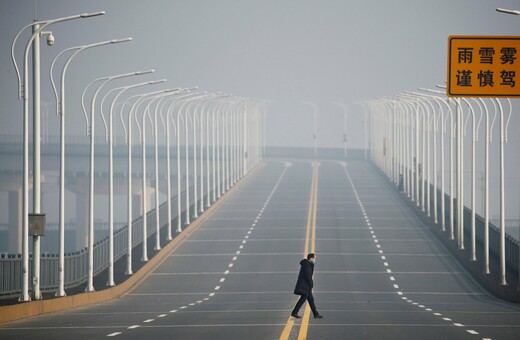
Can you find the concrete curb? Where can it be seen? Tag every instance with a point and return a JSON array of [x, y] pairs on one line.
[[40, 307]]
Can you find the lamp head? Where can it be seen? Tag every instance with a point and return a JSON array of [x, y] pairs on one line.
[[116, 41], [508, 11], [94, 14], [156, 81], [138, 73]]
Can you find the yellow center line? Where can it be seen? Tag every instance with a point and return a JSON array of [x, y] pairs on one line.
[[302, 335], [313, 240], [310, 236], [287, 329], [309, 214]]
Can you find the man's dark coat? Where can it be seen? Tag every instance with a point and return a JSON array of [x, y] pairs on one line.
[[304, 284]]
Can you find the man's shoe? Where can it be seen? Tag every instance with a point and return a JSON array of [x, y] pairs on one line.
[[318, 316], [296, 316]]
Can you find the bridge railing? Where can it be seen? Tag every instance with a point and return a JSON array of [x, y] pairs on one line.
[[512, 245], [76, 262], [55, 139]]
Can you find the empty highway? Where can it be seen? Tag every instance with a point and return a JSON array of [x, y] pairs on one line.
[[380, 273]]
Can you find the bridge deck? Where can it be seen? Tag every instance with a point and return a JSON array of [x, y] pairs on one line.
[[379, 271]]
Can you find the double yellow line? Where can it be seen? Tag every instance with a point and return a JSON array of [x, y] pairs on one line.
[[310, 247]]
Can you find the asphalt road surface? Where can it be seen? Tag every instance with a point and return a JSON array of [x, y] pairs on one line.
[[379, 274]]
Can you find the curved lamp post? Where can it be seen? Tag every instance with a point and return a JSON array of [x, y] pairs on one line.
[[345, 140], [366, 111], [211, 115], [474, 139], [166, 127], [489, 138], [91, 134], [204, 113], [315, 132], [434, 119], [110, 139], [60, 105], [128, 137], [185, 101], [503, 140], [38, 28], [439, 102], [215, 146], [160, 97]]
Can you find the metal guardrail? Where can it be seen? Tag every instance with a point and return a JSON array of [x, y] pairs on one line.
[[55, 139], [512, 244], [76, 262]]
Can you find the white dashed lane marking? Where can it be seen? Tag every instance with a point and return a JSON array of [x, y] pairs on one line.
[[229, 266], [386, 264]]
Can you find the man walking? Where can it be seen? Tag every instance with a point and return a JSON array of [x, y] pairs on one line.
[[304, 286]]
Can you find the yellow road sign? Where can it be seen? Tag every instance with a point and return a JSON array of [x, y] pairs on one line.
[[483, 66]]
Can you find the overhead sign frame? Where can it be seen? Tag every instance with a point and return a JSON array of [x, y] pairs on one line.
[[483, 66]]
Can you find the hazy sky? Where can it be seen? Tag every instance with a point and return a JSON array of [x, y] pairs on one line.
[[285, 51]]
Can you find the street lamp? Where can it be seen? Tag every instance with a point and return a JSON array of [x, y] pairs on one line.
[[215, 144], [160, 97], [474, 138], [217, 102], [435, 121], [110, 140], [460, 165], [489, 138], [90, 133], [229, 134], [185, 102], [441, 101], [166, 126], [195, 175], [424, 112], [508, 11], [315, 132], [345, 140], [128, 137], [22, 92], [222, 168], [425, 153], [366, 111], [503, 140], [204, 114], [60, 106]]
